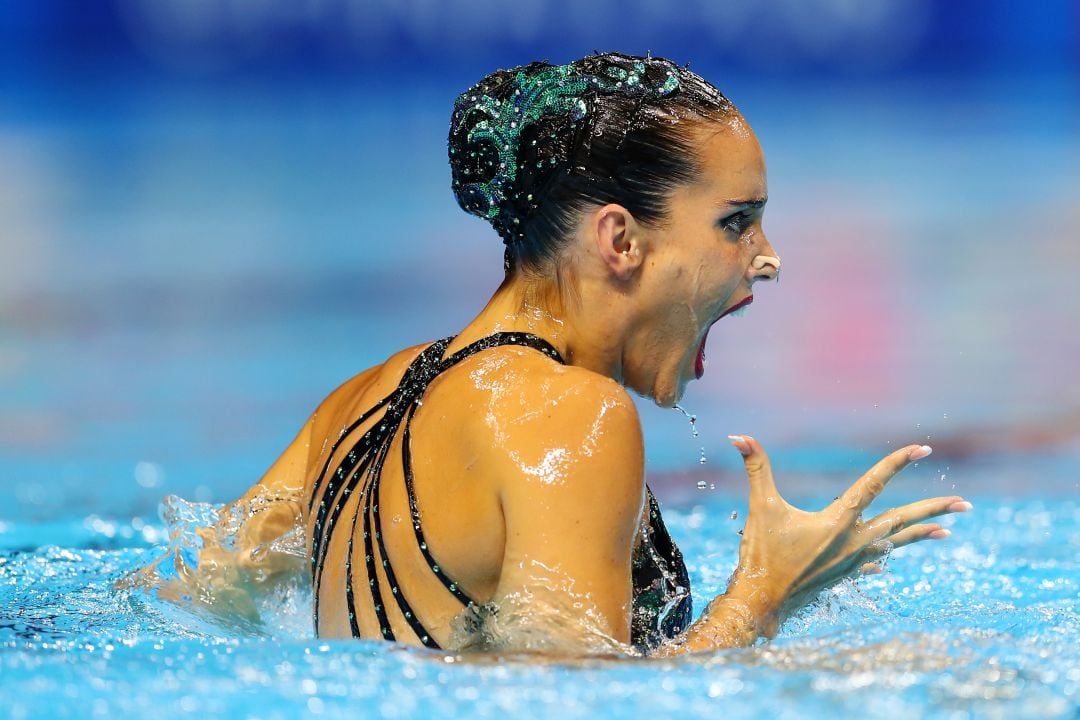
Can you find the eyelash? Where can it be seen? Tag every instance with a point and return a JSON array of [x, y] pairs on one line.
[[737, 223]]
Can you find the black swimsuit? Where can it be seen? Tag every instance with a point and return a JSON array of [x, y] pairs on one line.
[[662, 607]]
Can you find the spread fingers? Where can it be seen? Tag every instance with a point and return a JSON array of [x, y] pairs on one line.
[[915, 533], [859, 496], [892, 521]]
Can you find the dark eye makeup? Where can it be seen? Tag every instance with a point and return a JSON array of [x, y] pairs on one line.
[[737, 222]]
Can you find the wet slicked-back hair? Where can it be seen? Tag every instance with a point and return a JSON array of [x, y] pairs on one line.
[[533, 147]]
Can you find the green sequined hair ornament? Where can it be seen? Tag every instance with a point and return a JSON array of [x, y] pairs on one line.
[[546, 107]]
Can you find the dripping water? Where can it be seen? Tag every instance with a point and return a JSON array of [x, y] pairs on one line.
[[693, 421], [701, 484]]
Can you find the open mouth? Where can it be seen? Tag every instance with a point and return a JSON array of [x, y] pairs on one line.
[[737, 309]]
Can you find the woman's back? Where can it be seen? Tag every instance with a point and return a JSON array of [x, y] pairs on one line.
[[479, 421]]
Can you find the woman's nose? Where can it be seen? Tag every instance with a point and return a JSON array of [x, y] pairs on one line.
[[764, 267], [766, 262]]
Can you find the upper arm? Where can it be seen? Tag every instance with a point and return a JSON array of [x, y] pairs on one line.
[[272, 507], [285, 478], [571, 490], [274, 504]]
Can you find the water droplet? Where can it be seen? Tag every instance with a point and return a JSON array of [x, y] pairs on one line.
[[701, 485], [734, 514], [702, 460], [693, 421]]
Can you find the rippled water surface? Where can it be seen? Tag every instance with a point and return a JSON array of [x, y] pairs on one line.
[[982, 625]]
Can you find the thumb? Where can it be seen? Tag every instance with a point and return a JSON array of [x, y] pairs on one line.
[[758, 468]]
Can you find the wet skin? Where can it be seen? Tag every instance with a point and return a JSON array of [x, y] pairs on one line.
[[530, 475]]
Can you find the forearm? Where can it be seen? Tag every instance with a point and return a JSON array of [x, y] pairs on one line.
[[735, 619]]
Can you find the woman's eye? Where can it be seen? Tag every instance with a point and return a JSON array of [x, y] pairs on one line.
[[736, 223]]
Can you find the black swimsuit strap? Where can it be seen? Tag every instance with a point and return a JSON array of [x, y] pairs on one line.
[[505, 338], [362, 466]]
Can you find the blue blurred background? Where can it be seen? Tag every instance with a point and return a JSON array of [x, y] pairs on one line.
[[212, 212]]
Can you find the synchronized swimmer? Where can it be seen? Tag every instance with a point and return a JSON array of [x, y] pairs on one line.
[[487, 490]]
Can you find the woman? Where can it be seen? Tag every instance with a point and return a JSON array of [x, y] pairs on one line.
[[487, 490]]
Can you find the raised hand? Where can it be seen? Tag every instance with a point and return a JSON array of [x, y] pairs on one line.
[[788, 556]]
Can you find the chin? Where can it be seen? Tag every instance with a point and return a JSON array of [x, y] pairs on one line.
[[666, 385], [667, 393]]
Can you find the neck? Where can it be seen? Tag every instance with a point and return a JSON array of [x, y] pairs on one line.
[[553, 309]]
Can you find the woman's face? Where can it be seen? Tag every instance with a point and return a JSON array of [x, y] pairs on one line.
[[698, 263]]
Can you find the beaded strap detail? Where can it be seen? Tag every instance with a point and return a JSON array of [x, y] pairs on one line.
[[360, 470]]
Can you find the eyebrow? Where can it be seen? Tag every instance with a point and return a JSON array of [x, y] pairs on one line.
[[752, 203]]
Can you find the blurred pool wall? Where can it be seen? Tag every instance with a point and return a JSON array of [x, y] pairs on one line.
[[212, 212]]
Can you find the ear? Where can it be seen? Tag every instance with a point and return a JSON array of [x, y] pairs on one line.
[[619, 240]]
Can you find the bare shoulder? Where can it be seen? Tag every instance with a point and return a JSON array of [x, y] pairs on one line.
[[560, 448], [527, 388], [537, 419], [350, 400], [358, 389]]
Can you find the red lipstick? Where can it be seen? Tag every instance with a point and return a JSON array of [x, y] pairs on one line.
[[699, 363], [737, 306]]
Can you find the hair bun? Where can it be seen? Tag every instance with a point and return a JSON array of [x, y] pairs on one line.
[[513, 131]]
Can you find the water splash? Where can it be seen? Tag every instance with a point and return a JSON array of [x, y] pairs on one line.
[[238, 565], [971, 626]]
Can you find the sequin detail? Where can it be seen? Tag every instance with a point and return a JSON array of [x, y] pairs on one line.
[[663, 606], [494, 128]]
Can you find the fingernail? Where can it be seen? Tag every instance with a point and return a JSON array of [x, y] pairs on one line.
[[940, 534], [740, 443], [962, 506], [920, 452]]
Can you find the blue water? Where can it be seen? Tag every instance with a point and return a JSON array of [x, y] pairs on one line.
[[982, 625]]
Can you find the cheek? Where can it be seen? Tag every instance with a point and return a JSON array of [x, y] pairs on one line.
[[733, 263], [671, 330]]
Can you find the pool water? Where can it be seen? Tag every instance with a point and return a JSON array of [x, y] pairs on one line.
[[981, 625]]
